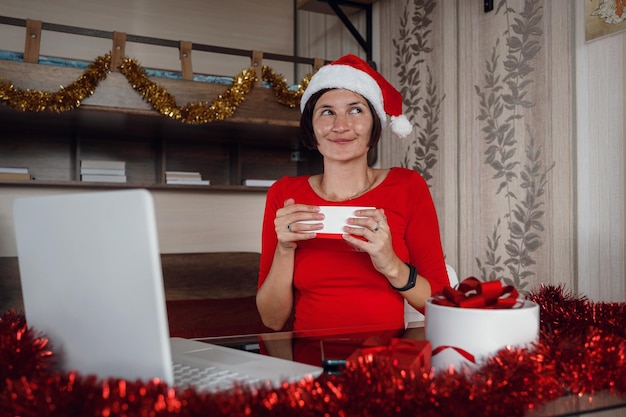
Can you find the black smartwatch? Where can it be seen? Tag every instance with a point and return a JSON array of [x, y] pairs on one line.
[[412, 279]]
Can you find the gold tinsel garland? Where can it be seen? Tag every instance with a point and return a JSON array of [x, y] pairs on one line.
[[281, 90], [165, 103], [223, 107], [66, 98]]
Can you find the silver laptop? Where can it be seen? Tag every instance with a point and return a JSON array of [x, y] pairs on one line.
[[91, 280]]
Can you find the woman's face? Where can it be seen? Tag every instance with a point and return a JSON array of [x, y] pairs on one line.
[[342, 122]]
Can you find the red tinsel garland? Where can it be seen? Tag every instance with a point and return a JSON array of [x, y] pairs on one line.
[[582, 349]]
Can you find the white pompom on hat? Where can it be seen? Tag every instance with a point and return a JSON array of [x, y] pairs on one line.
[[352, 73]]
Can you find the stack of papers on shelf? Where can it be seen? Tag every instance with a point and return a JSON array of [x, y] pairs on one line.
[[14, 173], [185, 178], [102, 171], [258, 183]]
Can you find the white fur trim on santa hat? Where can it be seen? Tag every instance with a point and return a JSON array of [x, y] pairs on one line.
[[349, 78], [401, 126]]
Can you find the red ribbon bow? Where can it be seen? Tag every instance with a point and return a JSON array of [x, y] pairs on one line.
[[472, 293]]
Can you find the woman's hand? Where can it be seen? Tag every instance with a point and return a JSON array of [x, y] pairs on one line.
[[376, 239], [274, 298], [289, 231]]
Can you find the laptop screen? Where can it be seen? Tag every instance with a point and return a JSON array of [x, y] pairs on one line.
[[91, 281]]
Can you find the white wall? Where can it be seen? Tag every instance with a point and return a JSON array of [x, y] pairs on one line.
[[187, 221], [600, 94]]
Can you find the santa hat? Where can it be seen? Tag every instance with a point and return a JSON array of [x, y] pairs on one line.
[[352, 73]]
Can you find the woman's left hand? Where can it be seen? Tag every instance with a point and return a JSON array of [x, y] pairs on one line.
[[372, 227]]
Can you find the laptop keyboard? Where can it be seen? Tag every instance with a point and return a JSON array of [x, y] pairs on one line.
[[209, 379]]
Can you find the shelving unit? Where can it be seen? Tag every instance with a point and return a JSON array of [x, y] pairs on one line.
[[259, 141], [226, 153]]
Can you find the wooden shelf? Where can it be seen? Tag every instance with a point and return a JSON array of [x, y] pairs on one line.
[[97, 185], [116, 95], [52, 145]]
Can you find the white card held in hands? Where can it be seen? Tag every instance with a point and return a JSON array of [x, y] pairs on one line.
[[336, 218]]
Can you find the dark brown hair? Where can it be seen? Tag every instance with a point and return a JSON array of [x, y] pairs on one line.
[[307, 134]]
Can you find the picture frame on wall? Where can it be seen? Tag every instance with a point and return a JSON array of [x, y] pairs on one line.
[[604, 17]]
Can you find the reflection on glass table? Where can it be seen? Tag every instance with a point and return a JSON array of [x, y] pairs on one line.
[[331, 347]]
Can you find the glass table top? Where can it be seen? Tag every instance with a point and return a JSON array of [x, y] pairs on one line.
[[307, 347]]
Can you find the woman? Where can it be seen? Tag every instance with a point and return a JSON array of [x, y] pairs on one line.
[[393, 252]]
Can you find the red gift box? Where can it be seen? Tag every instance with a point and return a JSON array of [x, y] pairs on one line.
[[405, 354]]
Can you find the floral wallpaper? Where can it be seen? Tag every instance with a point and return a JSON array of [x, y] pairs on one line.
[[422, 98], [518, 167], [503, 171]]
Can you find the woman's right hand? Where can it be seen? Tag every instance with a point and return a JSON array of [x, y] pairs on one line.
[[274, 297], [289, 231]]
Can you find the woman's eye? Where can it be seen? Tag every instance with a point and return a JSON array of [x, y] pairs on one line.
[[326, 112], [356, 110]]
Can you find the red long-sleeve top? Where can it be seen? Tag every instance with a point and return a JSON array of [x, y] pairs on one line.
[[337, 286]]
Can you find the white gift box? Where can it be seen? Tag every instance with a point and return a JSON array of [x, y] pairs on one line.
[[467, 336]]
